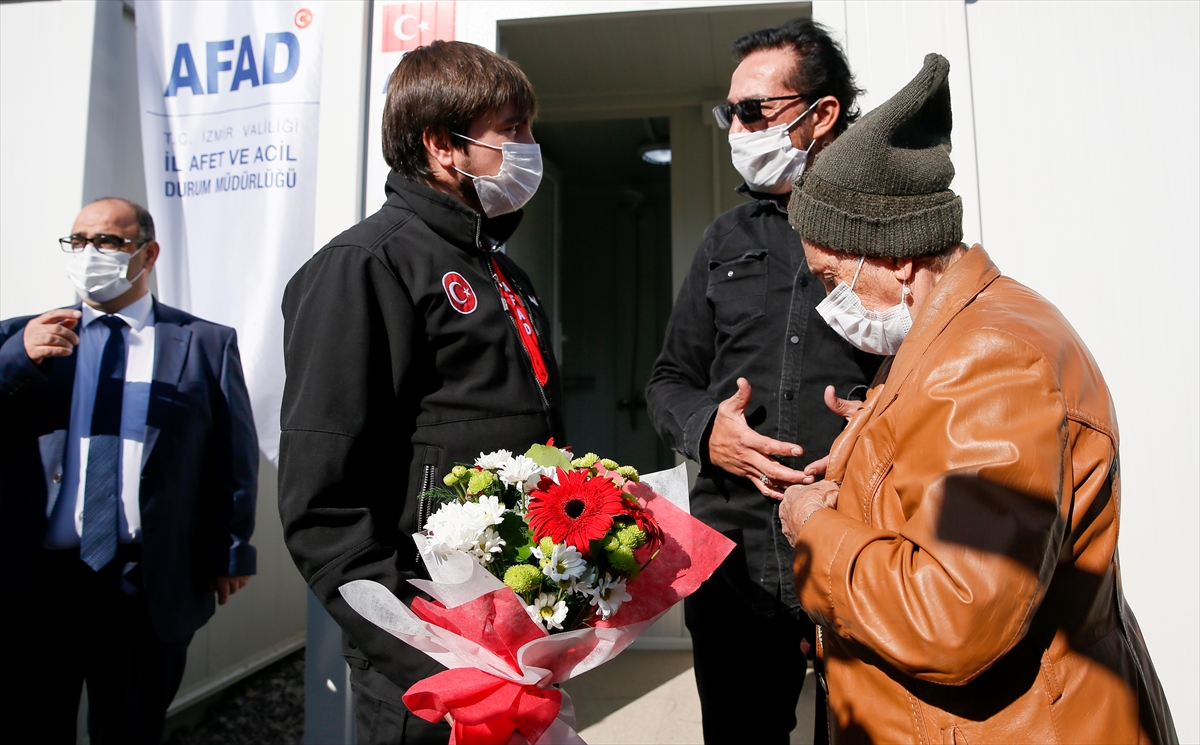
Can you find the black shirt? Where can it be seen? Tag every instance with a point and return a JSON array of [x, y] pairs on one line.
[[748, 309]]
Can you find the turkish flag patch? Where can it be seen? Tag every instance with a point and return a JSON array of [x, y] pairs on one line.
[[459, 290]]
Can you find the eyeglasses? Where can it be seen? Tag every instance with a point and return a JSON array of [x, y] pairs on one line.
[[104, 242], [748, 111]]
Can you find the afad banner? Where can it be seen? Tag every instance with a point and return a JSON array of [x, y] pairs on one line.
[[230, 98], [397, 28]]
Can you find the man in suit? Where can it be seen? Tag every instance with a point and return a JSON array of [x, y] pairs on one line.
[[128, 467]]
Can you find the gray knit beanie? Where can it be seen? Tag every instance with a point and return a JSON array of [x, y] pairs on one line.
[[883, 187]]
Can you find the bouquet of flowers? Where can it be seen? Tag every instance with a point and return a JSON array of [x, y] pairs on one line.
[[542, 567]]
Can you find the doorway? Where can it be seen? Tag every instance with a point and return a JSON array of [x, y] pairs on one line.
[[612, 239]]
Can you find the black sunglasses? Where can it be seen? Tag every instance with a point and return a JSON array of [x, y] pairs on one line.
[[748, 111]]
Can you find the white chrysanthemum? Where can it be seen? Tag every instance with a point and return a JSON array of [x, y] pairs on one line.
[[493, 461], [566, 563], [466, 527], [490, 510], [548, 610], [607, 596], [519, 471], [584, 583], [487, 545], [434, 550]]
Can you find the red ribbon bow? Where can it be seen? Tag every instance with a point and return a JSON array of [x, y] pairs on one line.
[[486, 709]]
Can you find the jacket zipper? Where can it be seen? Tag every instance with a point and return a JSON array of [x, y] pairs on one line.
[[513, 324], [428, 477]]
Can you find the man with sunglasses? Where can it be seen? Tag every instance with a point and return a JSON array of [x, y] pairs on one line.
[[741, 384], [129, 471]]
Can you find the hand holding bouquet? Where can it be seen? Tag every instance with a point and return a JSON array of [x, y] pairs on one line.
[[543, 567]]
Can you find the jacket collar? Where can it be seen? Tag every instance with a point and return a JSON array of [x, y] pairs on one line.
[[961, 284], [453, 221], [778, 201]]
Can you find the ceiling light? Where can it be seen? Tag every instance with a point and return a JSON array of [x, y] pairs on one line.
[[656, 153]]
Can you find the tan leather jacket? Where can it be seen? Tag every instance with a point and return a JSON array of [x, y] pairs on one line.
[[967, 586]]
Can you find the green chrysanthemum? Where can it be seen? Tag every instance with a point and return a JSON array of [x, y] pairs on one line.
[[546, 546], [631, 536], [629, 472], [480, 480], [523, 578], [610, 542], [610, 464], [587, 461], [622, 559]]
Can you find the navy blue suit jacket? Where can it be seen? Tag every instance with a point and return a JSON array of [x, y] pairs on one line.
[[199, 463]]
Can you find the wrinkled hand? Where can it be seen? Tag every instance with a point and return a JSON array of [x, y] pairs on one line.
[[842, 407], [50, 335], [800, 502], [225, 587], [738, 449]]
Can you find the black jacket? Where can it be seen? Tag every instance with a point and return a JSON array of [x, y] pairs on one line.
[[389, 384], [747, 309]]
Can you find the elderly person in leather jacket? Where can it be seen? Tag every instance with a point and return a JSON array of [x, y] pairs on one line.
[[959, 558]]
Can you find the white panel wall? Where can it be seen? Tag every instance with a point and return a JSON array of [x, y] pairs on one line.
[[1089, 158], [1084, 120], [43, 135], [343, 101]]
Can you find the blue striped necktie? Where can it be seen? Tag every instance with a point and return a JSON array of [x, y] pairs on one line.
[[101, 500]]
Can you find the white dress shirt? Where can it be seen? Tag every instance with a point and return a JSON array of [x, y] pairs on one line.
[[66, 519]]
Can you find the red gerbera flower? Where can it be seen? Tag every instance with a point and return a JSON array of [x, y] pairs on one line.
[[576, 511]]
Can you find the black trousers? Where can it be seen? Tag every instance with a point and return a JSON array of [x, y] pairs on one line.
[[749, 667], [78, 625], [380, 716]]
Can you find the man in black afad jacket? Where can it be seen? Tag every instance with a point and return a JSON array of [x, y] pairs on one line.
[[412, 344], [740, 385]]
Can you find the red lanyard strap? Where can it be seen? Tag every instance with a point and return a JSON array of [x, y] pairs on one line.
[[520, 316]]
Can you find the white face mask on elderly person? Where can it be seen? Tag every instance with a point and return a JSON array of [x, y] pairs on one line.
[[518, 179], [869, 330]]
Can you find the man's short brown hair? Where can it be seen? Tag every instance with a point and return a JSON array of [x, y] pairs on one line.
[[446, 86]]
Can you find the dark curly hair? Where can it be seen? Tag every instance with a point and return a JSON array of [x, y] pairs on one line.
[[821, 69]]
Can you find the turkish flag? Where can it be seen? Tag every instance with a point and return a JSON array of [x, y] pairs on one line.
[[409, 25]]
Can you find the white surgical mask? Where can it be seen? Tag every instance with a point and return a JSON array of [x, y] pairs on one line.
[[519, 176], [869, 330], [767, 159], [100, 277]]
